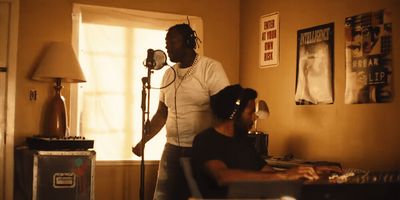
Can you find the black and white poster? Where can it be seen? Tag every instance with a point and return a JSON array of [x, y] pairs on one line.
[[314, 74], [368, 58]]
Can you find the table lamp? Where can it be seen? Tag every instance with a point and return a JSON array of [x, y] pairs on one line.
[[262, 112], [58, 64], [260, 138]]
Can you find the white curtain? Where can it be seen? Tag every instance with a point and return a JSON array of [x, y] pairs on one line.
[[113, 44]]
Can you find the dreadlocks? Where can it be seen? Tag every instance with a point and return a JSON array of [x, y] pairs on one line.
[[189, 35]]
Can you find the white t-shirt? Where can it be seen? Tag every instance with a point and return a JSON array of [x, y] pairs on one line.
[[189, 109]]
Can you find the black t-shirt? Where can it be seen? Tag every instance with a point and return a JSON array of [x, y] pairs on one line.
[[234, 152]]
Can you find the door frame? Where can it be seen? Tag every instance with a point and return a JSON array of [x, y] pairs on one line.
[[7, 144]]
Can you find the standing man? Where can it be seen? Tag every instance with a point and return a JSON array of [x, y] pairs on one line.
[[184, 108], [224, 154]]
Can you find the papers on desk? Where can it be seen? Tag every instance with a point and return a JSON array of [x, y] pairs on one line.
[[281, 163]]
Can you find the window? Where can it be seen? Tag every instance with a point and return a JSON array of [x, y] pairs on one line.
[[112, 45]]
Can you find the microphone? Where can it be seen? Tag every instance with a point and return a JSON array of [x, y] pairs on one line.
[[150, 60], [156, 59]]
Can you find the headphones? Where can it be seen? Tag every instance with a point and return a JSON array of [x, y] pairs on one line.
[[190, 40], [236, 108]]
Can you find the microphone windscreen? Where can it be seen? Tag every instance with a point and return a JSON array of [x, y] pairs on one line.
[[160, 59]]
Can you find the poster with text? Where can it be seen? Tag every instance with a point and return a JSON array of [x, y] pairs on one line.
[[368, 58], [314, 70], [269, 40]]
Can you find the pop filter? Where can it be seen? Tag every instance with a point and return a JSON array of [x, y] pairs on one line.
[[160, 59], [156, 59]]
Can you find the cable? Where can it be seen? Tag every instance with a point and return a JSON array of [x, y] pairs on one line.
[[187, 74], [173, 80]]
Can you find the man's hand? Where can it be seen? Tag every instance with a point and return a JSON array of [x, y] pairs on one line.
[[328, 169], [156, 124], [302, 172], [137, 150]]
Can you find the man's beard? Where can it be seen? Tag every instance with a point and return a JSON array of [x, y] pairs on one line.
[[240, 128]]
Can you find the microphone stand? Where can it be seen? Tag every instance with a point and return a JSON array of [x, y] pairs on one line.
[[145, 122]]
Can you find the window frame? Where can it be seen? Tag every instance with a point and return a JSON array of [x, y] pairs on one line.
[[78, 9]]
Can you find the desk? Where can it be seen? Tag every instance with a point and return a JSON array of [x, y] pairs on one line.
[[360, 184], [311, 191], [61, 175]]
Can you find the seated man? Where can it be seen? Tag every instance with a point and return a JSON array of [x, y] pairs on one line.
[[224, 154]]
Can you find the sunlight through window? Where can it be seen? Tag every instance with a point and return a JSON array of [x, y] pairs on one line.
[[112, 46], [113, 60]]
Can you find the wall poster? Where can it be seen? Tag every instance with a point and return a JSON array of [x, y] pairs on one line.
[[315, 66], [368, 58], [269, 40]]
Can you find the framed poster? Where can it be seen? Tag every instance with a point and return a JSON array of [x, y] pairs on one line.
[[368, 58], [269, 40], [315, 65]]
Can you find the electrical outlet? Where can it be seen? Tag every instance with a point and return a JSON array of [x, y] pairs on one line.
[[32, 95]]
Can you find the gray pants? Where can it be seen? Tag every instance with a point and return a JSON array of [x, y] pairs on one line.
[[171, 182]]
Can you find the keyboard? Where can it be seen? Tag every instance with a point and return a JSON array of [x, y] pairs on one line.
[[59, 143]]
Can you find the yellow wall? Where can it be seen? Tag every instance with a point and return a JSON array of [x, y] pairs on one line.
[[42, 21], [363, 136]]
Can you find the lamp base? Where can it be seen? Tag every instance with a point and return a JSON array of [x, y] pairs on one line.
[[260, 141], [56, 121]]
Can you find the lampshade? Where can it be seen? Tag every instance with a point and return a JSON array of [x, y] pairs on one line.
[[59, 62], [262, 110]]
